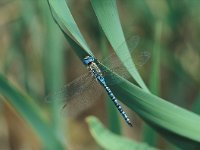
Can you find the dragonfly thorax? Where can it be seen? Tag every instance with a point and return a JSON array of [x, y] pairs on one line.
[[92, 66], [94, 69]]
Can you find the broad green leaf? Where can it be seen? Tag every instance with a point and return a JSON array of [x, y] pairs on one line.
[[175, 123], [30, 112], [107, 14], [111, 141]]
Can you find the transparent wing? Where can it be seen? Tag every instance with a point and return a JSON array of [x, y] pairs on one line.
[[78, 95], [112, 60], [115, 65], [141, 58], [72, 89], [79, 103]]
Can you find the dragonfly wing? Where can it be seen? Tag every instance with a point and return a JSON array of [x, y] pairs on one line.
[[83, 101], [131, 42], [78, 95], [115, 65], [72, 89], [142, 58]]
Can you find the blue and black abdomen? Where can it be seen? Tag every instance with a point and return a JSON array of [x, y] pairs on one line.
[[113, 98], [115, 101]]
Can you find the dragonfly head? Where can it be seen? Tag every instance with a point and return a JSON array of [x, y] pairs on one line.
[[88, 59]]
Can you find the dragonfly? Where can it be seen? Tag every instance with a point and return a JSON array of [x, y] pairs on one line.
[[88, 85]]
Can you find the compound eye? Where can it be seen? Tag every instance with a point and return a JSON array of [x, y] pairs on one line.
[[88, 60]]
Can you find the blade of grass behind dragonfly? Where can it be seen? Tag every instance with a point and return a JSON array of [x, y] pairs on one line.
[[18, 49], [149, 134], [31, 113], [196, 105], [107, 14], [53, 63], [113, 118], [108, 140], [25, 106]]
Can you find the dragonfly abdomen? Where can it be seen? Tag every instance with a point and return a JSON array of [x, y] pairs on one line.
[[114, 99]]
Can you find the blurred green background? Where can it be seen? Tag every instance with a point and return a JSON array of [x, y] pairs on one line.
[[37, 60]]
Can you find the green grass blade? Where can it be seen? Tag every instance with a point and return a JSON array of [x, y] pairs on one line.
[[155, 71], [65, 20], [149, 134], [53, 63], [30, 112], [196, 105], [107, 14], [111, 141]]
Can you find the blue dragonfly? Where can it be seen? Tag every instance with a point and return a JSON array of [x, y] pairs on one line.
[[80, 91]]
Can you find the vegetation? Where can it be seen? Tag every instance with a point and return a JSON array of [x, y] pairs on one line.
[[162, 97]]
